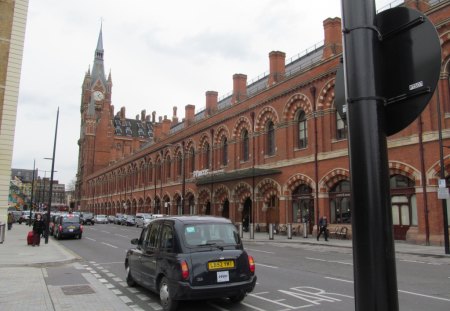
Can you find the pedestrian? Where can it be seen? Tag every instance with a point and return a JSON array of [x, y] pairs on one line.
[[10, 220], [38, 229], [323, 224]]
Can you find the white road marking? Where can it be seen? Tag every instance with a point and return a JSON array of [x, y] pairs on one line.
[[107, 244], [340, 280], [155, 306], [217, 307], [257, 250], [316, 259], [122, 236], [109, 285], [422, 262], [422, 295], [106, 231], [90, 239], [273, 267], [125, 299], [117, 279], [116, 291], [400, 291], [143, 297], [330, 261], [132, 290]]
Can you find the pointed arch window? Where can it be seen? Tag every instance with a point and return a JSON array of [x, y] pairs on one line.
[[168, 168], [270, 138], [302, 130], [192, 159], [224, 151], [245, 145], [207, 156], [341, 127], [179, 164]]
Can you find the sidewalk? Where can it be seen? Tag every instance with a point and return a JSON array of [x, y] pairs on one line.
[[23, 278], [23, 271], [400, 247]]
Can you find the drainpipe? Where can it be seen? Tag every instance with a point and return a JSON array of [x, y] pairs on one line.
[[312, 89], [424, 182]]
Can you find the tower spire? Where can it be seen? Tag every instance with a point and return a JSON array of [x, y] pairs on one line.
[[98, 70]]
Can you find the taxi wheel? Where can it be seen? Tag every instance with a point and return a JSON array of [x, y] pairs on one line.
[[167, 302], [130, 281], [237, 298]]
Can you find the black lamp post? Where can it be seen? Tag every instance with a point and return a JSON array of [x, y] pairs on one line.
[[32, 192], [51, 180]]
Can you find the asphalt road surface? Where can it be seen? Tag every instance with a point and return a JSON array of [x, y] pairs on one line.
[[290, 276]]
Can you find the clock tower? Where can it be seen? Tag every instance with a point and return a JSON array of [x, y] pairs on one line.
[[96, 112]]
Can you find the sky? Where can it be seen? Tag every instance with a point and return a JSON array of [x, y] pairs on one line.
[[160, 54]]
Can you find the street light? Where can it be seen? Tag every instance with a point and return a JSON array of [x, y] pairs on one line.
[[51, 180]]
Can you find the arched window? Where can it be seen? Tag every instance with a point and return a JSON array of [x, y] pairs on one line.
[[158, 170], [341, 127], [149, 172], [302, 204], [302, 130], [403, 204], [245, 145], [180, 164], [270, 138], [224, 151], [192, 155], [207, 156], [340, 208], [168, 164]]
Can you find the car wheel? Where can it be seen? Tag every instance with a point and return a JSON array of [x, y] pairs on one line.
[[237, 298], [130, 281], [167, 303]]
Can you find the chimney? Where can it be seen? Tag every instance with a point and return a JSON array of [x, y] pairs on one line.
[[143, 115], [277, 67], [420, 5], [160, 119], [147, 118], [189, 114], [211, 102], [239, 88], [166, 126], [137, 117], [153, 116], [174, 117], [122, 113], [333, 37]]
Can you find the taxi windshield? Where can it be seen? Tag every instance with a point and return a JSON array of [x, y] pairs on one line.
[[71, 219], [211, 234]]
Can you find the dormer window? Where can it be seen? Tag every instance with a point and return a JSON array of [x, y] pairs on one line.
[[118, 130], [128, 131]]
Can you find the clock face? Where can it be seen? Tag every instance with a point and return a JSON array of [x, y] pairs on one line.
[[98, 95]]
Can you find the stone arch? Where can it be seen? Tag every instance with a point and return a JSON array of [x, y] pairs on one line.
[[268, 188], [325, 99], [401, 168], [221, 193], [332, 177], [294, 103], [241, 192], [298, 179], [434, 172], [266, 114], [241, 123], [444, 39], [221, 132]]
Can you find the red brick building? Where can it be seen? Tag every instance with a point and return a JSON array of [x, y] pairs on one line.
[[275, 151]]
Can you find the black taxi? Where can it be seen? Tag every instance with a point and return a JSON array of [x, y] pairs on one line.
[[67, 225], [191, 258]]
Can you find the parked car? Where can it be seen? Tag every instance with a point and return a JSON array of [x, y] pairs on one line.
[[143, 219], [118, 219], [100, 219], [111, 219], [129, 220], [87, 218], [68, 226], [191, 258]]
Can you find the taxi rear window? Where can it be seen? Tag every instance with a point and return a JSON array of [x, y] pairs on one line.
[[71, 219], [205, 234]]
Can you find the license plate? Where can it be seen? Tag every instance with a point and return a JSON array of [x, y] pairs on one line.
[[71, 227], [223, 276], [70, 230], [217, 265]]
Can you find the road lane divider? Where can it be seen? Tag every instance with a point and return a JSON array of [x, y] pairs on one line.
[[107, 244]]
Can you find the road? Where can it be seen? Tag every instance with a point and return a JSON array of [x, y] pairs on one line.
[[290, 276]]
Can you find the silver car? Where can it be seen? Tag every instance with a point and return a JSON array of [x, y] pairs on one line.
[[143, 219], [101, 219]]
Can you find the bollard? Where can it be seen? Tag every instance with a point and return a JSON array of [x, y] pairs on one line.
[[252, 232], [241, 230], [270, 231], [2, 232], [289, 231], [305, 230]]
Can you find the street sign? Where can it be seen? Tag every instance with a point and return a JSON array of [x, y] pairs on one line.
[[443, 194], [411, 59]]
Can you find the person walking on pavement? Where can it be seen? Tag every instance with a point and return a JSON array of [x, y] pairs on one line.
[[38, 229], [323, 224], [10, 220]]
